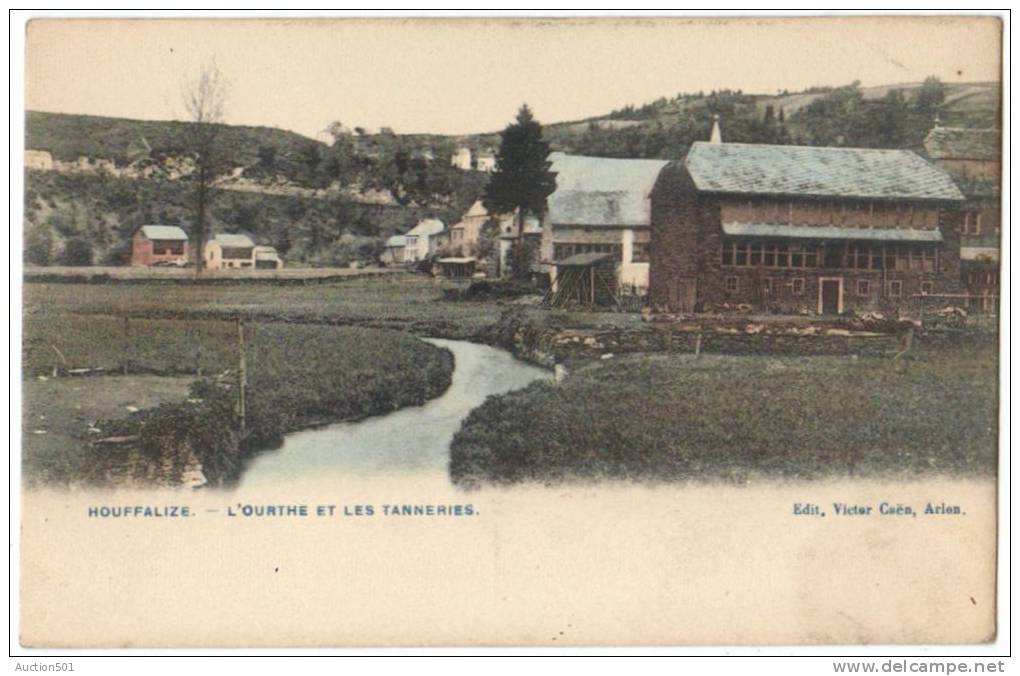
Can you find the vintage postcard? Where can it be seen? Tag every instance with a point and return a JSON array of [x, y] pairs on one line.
[[510, 331]]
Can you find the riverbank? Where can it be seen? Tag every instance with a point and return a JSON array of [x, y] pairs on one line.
[[297, 376], [677, 417]]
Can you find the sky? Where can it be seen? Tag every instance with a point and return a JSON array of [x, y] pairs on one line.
[[466, 76]]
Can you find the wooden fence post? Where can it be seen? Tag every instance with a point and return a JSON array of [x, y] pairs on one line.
[[697, 346], [242, 374], [127, 345]]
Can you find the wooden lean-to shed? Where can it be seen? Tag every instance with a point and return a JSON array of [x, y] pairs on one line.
[[585, 279]]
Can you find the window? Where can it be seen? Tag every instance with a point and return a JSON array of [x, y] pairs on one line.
[[639, 252], [768, 254], [926, 288], [896, 288], [863, 287], [731, 284], [566, 250], [767, 287], [797, 286], [971, 223]]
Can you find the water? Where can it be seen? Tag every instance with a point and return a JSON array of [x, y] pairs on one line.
[[408, 441]]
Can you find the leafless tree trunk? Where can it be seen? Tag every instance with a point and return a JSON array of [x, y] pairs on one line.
[[204, 99]]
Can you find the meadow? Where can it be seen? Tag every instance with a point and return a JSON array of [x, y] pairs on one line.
[[736, 419], [297, 376]]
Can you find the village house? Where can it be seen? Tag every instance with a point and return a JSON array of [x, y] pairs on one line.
[[601, 206], [159, 245], [973, 158], [424, 239], [802, 229], [466, 233], [461, 159], [39, 160], [229, 251], [485, 161], [393, 250]]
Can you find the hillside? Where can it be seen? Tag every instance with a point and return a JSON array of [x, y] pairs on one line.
[[68, 137], [329, 204]]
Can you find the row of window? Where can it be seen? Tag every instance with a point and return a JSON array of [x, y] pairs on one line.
[[853, 255], [832, 213], [561, 251], [973, 224], [863, 287]]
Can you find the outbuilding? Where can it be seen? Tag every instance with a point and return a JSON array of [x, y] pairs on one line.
[[159, 245], [229, 251]]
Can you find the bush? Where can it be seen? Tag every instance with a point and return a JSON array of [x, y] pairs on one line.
[[39, 244], [77, 251]]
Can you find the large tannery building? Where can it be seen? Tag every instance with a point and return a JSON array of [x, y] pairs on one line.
[[802, 229]]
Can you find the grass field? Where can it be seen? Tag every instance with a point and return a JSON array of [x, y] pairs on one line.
[[297, 375], [394, 301], [123, 272], [673, 417]]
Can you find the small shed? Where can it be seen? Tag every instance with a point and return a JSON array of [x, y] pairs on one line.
[[267, 258], [584, 279], [459, 267]]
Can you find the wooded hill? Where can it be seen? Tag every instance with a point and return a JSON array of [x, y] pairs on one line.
[[412, 172]]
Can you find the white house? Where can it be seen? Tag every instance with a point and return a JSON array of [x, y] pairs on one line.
[[485, 162], [462, 159], [227, 251], [424, 239]]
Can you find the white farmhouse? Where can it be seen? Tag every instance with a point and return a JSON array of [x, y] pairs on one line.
[[424, 239], [228, 251]]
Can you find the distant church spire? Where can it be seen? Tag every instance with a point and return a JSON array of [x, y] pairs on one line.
[[716, 134]]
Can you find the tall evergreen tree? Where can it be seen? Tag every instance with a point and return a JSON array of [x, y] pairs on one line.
[[521, 181]]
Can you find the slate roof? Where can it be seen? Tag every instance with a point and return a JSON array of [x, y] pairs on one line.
[[956, 143], [867, 173], [427, 227], [602, 191], [831, 232], [164, 232], [395, 241], [233, 241]]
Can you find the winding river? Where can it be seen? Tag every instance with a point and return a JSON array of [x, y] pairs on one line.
[[408, 441]]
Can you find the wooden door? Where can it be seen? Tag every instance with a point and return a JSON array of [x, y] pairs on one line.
[[831, 292]]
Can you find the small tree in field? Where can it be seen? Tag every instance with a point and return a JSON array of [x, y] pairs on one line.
[[204, 100], [521, 181]]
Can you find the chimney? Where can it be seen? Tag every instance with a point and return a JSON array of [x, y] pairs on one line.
[[716, 134]]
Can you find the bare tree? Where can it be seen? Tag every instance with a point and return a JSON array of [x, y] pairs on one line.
[[204, 98]]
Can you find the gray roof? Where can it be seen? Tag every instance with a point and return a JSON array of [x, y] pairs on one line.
[[395, 241], [831, 232], [164, 232], [602, 191], [956, 143], [427, 227], [867, 173], [233, 241]]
